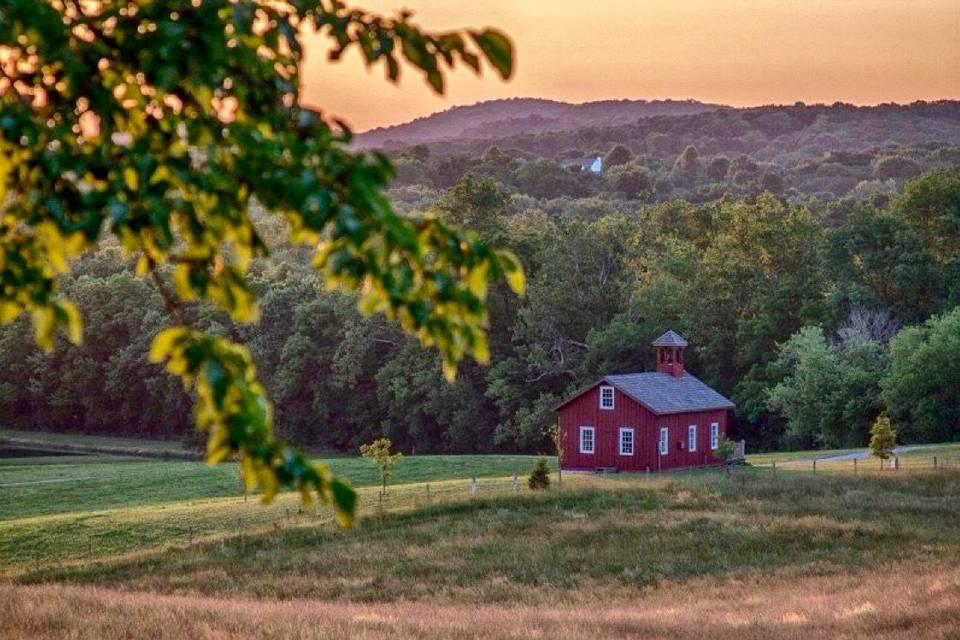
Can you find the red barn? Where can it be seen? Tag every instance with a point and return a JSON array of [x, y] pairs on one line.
[[655, 420]]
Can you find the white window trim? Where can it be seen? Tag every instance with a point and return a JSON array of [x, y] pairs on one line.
[[714, 436], [633, 440], [663, 445], [692, 441], [613, 396], [593, 440]]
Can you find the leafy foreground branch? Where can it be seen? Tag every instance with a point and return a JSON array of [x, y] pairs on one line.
[[163, 122]]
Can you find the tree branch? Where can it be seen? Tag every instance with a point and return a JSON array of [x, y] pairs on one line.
[[170, 302]]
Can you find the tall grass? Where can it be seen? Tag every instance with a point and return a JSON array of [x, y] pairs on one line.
[[893, 602]]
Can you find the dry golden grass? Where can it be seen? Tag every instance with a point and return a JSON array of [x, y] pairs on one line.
[[749, 555], [903, 601]]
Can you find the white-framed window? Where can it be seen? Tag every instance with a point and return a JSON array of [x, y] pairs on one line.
[[626, 441], [664, 440], [714, 435], [606, 397], [588, 440], [692, 438]]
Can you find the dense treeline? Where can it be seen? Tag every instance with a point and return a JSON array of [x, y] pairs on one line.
[[813, 320], [689, 151], [629, 179]]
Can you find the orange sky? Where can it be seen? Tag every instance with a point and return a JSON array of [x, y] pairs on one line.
[[738, 52]]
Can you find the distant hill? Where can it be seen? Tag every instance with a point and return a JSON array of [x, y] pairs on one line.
[[513, 116], [779, 134]]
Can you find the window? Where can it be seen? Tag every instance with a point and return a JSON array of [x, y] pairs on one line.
[[626, 441], [664, 435], [587, 441], [692, 438], [606, 397], [714, 435]]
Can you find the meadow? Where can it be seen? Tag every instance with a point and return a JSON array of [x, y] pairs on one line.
[[172, 549]]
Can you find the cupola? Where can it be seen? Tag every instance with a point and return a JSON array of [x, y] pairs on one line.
[[669, 351]]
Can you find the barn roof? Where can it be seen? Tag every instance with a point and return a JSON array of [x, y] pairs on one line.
[[670, 339], [663, 393]]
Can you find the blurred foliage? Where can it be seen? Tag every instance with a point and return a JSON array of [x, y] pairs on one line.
[[162, 123]]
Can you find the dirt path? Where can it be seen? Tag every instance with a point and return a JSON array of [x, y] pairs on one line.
[[860, 454]]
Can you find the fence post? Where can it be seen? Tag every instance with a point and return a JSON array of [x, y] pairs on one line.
[[774, 468], [814, 466], [855, 468], [934, 462], [473, 486], [648, 471], [240, 531], [516, 483], [896, 463], [428, 493]]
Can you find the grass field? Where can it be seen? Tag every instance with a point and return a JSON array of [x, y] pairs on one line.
[[53, 438], [61, 509], [170, 549]]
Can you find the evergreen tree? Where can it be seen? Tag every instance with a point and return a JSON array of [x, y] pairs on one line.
[[540, 476]]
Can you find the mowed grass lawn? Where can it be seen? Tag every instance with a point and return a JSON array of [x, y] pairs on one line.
[[61, 509], [54, 438]]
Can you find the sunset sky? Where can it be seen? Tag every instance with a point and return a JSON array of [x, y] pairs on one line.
[[737, 52]]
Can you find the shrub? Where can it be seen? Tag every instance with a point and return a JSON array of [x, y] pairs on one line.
[[726, 449], [540, 476]]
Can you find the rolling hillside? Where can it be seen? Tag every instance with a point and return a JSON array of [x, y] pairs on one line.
[[516, 116], [780, 134]]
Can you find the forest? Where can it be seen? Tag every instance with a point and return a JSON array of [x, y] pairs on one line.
[[811, 256]]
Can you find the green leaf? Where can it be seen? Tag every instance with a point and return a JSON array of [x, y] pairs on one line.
[[497, 48], [344, 502], [164, 341], [513, 272]]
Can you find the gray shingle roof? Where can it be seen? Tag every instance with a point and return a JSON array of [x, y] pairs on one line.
[[664, 393], [670, 339]]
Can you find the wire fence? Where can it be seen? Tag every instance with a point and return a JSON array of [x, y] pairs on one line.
[[867, 466]]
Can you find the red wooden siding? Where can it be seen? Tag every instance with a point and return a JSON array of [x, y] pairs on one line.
[[585, 411]]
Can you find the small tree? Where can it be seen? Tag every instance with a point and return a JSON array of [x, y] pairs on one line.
[[882, 439], [540, 476], [379, 452]]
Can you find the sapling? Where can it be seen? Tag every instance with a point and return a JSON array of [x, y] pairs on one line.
[[379, 452]]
